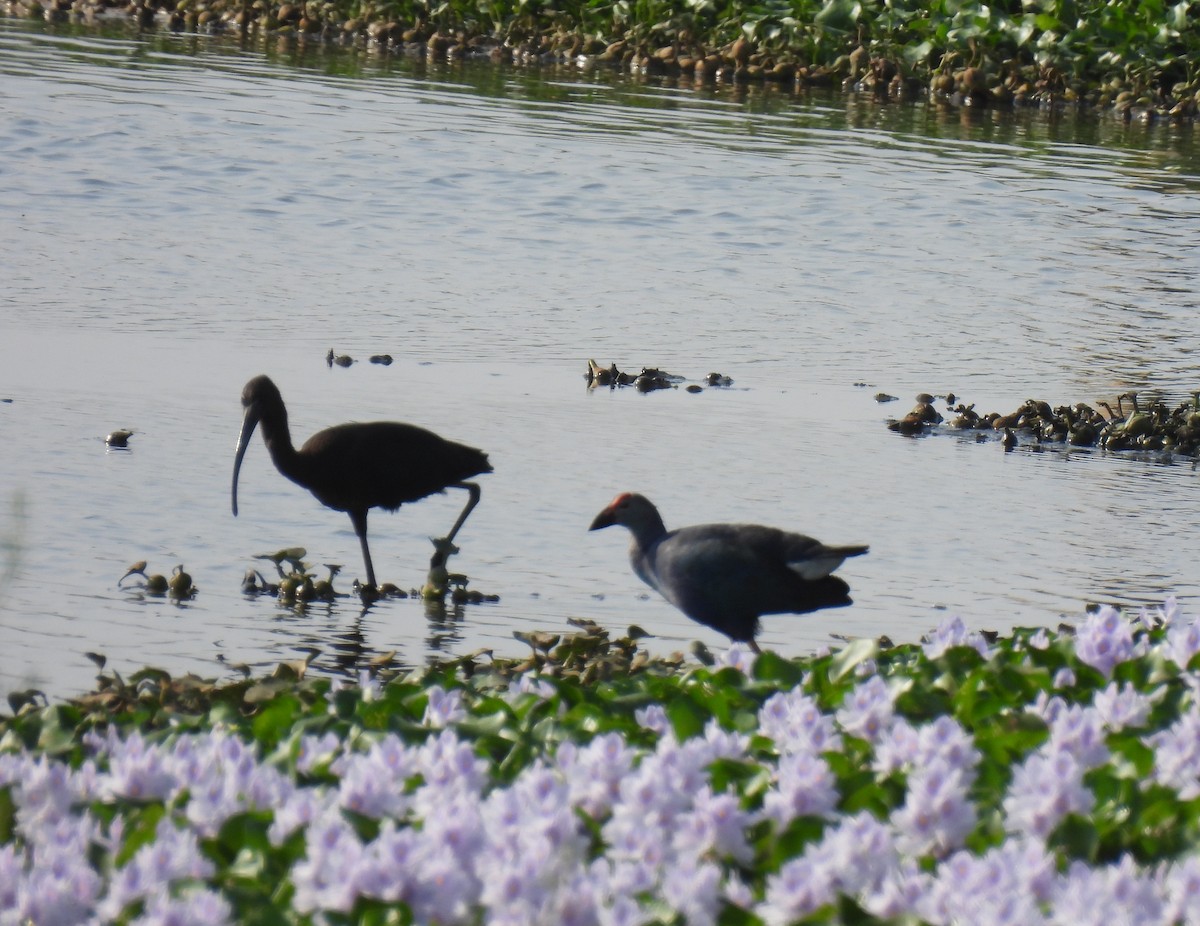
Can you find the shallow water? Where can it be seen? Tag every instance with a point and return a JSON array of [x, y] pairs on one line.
[[179, 215]]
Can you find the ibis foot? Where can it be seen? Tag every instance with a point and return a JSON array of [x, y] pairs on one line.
[[367, 591], [443, 549]]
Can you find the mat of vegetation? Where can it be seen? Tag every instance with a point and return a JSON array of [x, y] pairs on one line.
[[1140, 57], [1043, 778]]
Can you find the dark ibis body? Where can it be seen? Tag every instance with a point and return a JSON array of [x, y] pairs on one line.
[[356, 467], [726, 575]]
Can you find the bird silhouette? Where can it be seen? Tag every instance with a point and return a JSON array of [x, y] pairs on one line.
[[726, 575], [359, 466]]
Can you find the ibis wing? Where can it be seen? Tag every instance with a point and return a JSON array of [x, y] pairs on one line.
[[385, 464]]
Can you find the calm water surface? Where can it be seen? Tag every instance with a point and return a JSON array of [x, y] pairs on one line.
[[177, 215]]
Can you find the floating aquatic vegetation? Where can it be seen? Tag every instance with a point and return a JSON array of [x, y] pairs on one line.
[[1135, 60], [650, 379], [119, 439], [938, 782], [1118, 424], [179, 587], [299, 583]]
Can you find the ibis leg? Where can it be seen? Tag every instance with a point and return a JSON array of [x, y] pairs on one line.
[[473, 490], [445, 546], [359, 520]]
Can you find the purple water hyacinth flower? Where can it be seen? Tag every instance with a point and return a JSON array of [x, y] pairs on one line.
[[1045, 788], [443, 891], [796, 723], [1104, 640], [223, 777], [174, 855], [900, 891], [1120, 707], [662, 785], [1181, 890], [1007, 886], [653, 717], [1108, 895], [368, 687], [905, 746], [692, 888], [739, 656], [326, 878], [194, 908], [579, 901], [51, 881], [944, 738], [953, 632], [634, 857], [1183, 640], [545, 825], [300, 808], [866, 668], [622, 911], [513, 891], [44, 790], [138, 771], [366, 789], [443, 707], [373, 783], [898, 748], [1064, 678], [390, 863], [56, 892], [1177, 754], [1047, 706], [868, 710], [594, 772], [1165, 616], [937, 815], [737, 892], [449, 763], [861, 851], [717, 743], [714, 825], [804, 786], [1079, 731], [649, 796], [456, 825], [529, 684], [313, 752], [214, 799], [12, 871], [801, 886]]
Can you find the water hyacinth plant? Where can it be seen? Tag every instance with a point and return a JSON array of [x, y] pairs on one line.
[[1134, 57], [1045, 778]]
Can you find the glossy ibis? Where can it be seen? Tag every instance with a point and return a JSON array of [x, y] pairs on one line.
[[726, 575], [356, 467]]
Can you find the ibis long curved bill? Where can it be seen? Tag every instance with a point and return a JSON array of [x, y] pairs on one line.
[[249, 423]]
